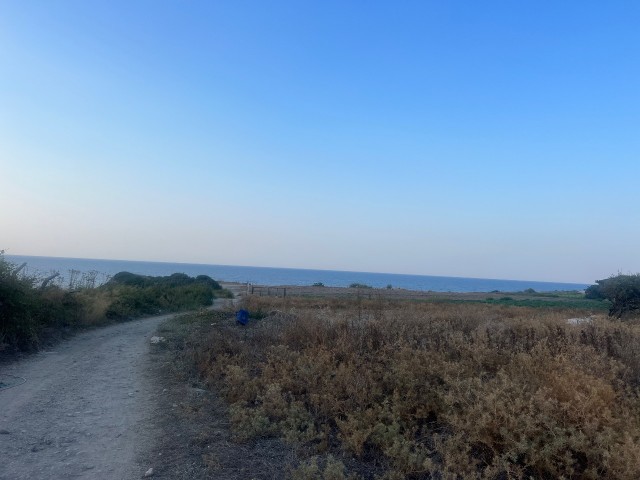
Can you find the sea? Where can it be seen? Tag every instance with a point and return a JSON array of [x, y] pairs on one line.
[[67, 267]]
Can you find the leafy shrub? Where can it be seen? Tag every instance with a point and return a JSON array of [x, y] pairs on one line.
[[20, 308], [31, 312], [594, 293], [359, 285], [28, 311], [143, 295], [173, 280], [622, 290], [207, 280]]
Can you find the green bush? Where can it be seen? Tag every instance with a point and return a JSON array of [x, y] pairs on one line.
[[143, 295], [594, 293], [28, 310], [173, 280], [623, 291], [31, 312], [19, 308]]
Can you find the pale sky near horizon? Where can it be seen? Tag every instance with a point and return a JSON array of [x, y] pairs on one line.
[[475, 139]]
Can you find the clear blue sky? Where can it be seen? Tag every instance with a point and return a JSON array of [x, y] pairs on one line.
[[479, 139]]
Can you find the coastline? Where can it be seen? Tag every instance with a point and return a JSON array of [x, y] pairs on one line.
[[288, 276]]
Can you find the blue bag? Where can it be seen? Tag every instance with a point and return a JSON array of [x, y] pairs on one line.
[[242, 317]]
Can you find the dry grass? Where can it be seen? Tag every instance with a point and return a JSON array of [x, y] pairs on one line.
[[433, 390]]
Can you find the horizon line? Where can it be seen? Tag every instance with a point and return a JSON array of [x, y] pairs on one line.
[[295, 268]]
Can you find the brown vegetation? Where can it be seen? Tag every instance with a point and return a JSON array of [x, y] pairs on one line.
[[427, 390]]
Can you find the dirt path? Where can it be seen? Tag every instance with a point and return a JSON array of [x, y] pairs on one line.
[[86, 409]]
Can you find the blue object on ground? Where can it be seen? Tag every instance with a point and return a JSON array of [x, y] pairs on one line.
[[242, 317]]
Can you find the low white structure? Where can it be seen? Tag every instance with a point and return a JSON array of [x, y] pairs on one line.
[[579, 321]]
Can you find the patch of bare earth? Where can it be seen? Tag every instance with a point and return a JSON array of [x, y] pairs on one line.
[[195, 440], [86, 408]]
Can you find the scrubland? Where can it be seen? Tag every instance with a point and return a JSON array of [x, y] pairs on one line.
[[34, 311], [417, 390]]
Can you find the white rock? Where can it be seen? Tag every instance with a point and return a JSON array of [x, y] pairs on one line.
[[149, 473], [579, 320], [155, 339]]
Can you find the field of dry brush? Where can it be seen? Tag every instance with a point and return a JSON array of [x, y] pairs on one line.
[[398, 389]]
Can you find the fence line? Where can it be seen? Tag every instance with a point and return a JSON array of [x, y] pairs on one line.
[[369, 293]]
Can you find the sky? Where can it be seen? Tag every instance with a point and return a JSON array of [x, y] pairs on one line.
[[494, 139]]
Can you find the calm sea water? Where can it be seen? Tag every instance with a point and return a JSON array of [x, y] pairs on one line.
[[283, 276]]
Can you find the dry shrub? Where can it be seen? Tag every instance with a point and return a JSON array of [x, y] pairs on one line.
[[96, 303], [312, 469], [445, 390]]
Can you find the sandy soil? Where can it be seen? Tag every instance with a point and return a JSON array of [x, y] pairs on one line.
[[86, 409]]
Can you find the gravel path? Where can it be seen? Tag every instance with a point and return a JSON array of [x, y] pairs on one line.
[[86, 409]]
